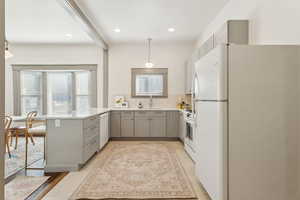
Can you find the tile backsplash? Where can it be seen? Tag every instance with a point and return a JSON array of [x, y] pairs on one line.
[[169, 102]]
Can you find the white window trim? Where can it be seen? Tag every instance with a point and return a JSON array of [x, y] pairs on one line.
[[72, 68]]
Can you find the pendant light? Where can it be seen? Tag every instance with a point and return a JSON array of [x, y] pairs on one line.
[[149, 64], [7, 52]]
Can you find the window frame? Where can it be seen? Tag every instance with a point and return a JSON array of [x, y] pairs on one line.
[[48, 68], [39, 96], [149, 71]]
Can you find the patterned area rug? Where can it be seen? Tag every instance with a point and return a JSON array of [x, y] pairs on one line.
[[137, 170], [17, 160], [22, 186]]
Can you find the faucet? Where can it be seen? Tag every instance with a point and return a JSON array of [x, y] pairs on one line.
[[150, 101]]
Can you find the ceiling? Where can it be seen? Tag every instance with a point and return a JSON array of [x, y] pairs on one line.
[[36, 21], [41, 21], [139, 19]]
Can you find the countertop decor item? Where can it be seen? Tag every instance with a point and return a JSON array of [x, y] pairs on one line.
[[140, 105], [119, 100]]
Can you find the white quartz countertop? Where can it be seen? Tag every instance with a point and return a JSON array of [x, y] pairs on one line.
[[144, 109], [90, 113], [79, 114]]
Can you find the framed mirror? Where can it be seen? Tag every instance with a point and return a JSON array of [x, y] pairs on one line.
[[149, 82]]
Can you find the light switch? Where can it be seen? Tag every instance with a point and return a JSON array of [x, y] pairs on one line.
[[57, 123]]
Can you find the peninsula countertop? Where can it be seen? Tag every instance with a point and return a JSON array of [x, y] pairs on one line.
[[91, 113]]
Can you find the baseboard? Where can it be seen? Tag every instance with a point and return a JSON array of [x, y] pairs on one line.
[[143, 139]]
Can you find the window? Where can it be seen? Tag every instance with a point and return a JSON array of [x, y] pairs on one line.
[[149, 82], [59, 90], [31, 91], [149, 85], [54, 90], [82, 90]]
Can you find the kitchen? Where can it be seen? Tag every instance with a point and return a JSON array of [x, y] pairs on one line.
[[122, 113]]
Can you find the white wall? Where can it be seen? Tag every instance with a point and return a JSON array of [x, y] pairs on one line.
[[271, 21], [123, 57], [51, 54]]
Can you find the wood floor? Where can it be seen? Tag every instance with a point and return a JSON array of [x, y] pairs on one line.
[[41, 191]]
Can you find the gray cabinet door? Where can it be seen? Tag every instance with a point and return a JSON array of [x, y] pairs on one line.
[[101, 136], [157, 127], [115, 126], [172, 124], [142, 127], [127, 127]]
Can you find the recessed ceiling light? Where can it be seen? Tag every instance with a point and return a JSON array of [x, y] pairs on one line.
[[171, 29], [69, 35], [117, 30]]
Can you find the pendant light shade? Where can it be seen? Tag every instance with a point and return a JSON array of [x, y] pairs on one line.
[[149, 64], [7, 52]]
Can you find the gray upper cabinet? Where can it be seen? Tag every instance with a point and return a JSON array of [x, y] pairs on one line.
[[115, 124], [157, 127], [127, 124], [233, 32], [172, 124]]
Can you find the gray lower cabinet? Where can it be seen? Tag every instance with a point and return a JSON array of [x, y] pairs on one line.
[[144, 124], [127, 124], [158, 127], [70, 143], [142, 127], [172, 124], [115, 124], [127, 127]]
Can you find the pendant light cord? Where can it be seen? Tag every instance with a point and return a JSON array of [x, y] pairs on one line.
[[149, 50]]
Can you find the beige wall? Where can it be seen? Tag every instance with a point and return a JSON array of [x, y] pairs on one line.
[[123, 57], [52, 54], [271, 22], [2, 89]]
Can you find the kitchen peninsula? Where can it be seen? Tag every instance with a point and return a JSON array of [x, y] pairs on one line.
[[73, 139]]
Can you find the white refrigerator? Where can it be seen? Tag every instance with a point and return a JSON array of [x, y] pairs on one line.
[[247, 109]]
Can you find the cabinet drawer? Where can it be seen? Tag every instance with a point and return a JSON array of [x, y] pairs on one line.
[[141, 114], [89, 135], [90, 148], [127, 114], [157, 114], [91, 121]]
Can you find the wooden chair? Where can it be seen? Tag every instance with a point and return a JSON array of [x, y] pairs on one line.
[[38, 130], [7, 124], [15, 131]]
